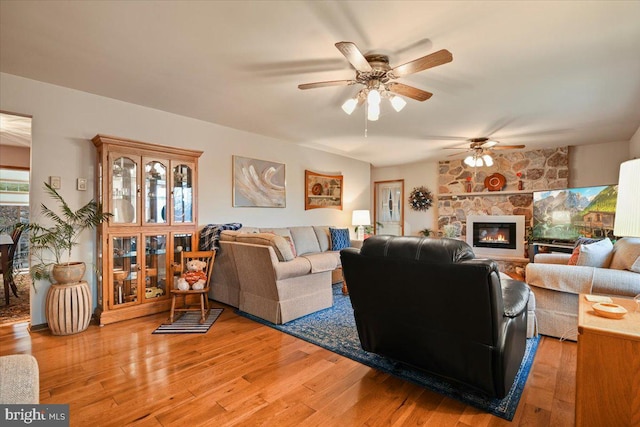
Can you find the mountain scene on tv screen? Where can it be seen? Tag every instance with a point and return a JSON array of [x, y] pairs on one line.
[[572, 213]]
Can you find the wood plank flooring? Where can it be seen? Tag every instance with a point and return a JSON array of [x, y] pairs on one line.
[[242, 373]]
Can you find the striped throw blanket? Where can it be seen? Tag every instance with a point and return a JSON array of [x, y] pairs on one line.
[[210, 235]]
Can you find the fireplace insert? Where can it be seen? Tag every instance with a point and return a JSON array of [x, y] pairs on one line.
[[499, 235]]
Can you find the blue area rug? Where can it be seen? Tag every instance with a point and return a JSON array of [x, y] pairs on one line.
[[335, 329]]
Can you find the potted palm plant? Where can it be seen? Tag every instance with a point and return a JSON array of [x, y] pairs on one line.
[[51, 245], [68, 305]]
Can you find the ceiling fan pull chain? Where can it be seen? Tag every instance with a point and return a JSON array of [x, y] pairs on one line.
[[366, 122]]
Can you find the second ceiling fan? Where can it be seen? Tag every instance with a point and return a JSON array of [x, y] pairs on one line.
[[480, 149], [376, 75]]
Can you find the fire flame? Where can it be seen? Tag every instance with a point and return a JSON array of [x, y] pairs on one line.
[[499, 238]]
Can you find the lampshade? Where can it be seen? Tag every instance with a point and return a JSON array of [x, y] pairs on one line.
[[397, 103], [349, 105], [361, 217], [627, 222]]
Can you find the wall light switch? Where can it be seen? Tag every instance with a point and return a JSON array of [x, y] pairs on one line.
[[82, 184], [55, 182]]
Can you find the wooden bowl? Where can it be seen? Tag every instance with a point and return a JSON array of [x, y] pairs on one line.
[[607, 309]]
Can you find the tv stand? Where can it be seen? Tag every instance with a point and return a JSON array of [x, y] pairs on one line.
[[563, 247]]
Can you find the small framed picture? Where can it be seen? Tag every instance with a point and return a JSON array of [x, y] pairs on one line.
[[82, 184], [54, 181]]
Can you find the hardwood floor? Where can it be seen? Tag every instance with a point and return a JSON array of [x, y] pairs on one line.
[[242, 373]]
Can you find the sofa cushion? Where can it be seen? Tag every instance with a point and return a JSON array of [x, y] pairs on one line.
[[339, 238], [229, 235], [596, 254], [297, 267], [279, 244], [626, 254], [284, 232], [322, 261], [305, 240], [322, 233]]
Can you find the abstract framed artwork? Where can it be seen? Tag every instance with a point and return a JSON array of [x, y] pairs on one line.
[[258, 183], [322, 191]]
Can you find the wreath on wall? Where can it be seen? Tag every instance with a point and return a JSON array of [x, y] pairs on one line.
[[420, 198]]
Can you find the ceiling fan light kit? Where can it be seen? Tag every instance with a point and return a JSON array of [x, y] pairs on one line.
[[480, 149], [373, 71]]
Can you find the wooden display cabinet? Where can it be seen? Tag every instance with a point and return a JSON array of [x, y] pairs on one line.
[[151, 190]]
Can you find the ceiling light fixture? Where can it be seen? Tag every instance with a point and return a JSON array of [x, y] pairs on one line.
[[373, 94], [478, 159]]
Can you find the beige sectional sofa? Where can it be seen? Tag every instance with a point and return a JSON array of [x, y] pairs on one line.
[[277, 274], [556, 285]]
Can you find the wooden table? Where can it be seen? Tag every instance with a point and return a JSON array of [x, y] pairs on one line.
[[608, 370]]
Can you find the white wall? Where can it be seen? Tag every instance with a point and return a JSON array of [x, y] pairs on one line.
[[596, 164], [414, 175], [634, 145], [65, 120]]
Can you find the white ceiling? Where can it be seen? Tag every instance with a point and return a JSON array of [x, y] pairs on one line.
[[544, 74]]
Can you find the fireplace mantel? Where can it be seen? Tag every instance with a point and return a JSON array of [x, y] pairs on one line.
[[482, 193]]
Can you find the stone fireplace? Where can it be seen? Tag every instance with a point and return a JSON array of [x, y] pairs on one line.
[[496, 235]]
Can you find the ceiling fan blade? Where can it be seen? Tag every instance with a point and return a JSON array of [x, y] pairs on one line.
[[409, 91], [433, 60], [490, 143], [325, 84], [506, 147], [454, 154], [354, 56]]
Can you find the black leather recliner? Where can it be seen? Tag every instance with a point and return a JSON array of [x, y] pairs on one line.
[[430, 304]]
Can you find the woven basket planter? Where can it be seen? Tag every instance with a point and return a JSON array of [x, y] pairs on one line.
[[68, 308]]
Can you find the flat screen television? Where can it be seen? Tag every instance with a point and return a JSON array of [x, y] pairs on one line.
[[562, 216]]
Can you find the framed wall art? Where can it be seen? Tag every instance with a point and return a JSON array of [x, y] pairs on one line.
[[322, 191], [258, 183]]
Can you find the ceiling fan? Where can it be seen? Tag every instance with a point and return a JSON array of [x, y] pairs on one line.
[[480, 149], [374, 72]]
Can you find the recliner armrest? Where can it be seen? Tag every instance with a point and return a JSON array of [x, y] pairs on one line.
[[515, 296]]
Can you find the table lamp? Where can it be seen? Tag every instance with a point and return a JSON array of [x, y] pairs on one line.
[[360, 218]]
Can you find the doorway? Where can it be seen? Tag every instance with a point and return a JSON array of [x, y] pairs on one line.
[[15, 164], [388, 199]]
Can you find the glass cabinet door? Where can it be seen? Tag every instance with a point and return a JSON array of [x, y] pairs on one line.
[[124, 176], [181, 243], [155, 192], [124, 266], [155, 266], [182, 192]]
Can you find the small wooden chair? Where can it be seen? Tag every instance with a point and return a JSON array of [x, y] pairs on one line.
[[203, 306]]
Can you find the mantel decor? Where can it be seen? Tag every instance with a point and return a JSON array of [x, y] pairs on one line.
[[322, 191], [420, 198]]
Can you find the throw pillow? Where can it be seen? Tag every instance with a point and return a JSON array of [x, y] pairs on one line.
[[596, 254], [626, 252], [339, 238], [574, 256]]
